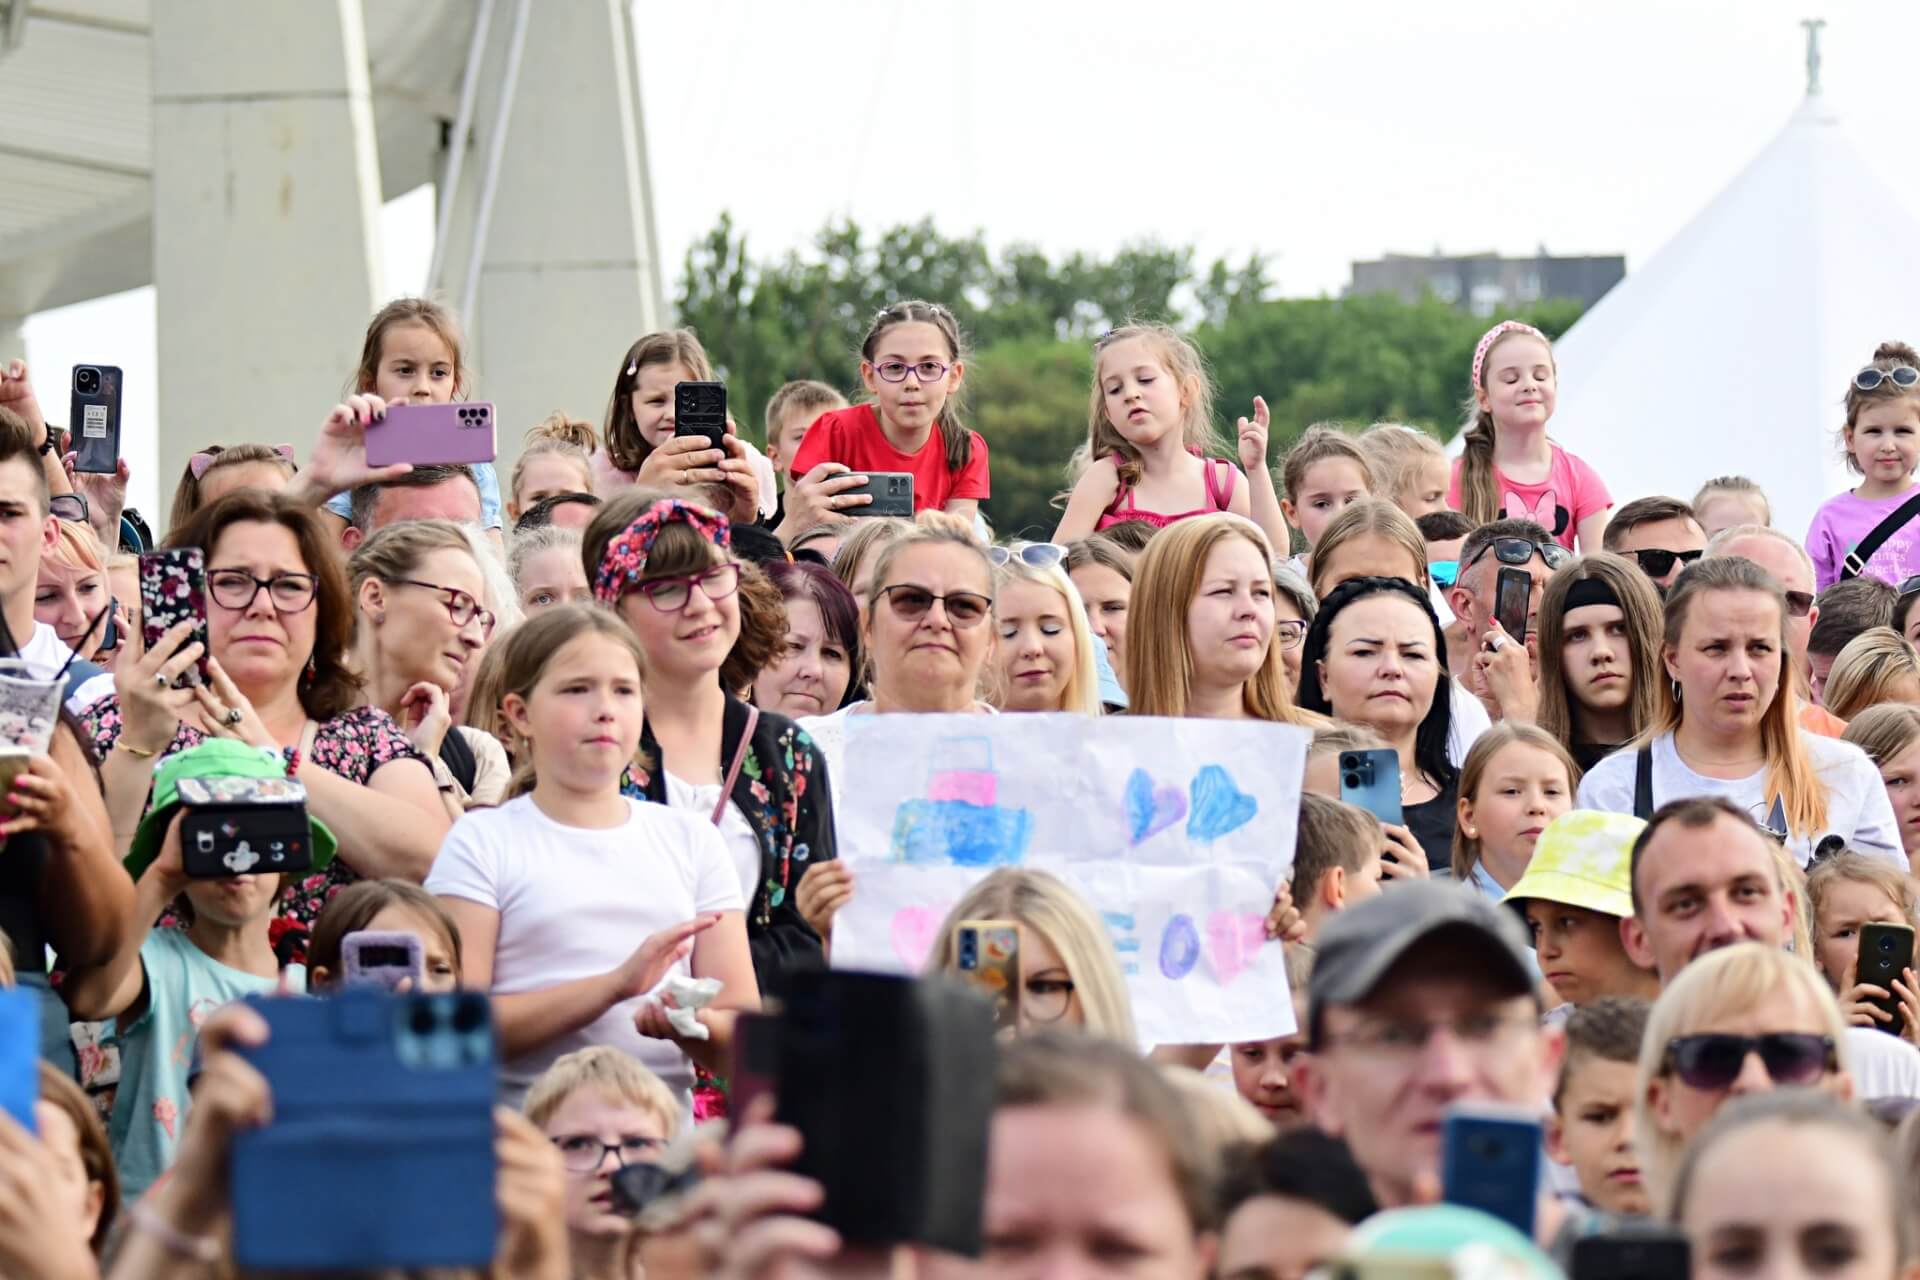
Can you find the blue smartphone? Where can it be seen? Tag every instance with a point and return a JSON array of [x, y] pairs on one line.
[[383, 1108], [1491, 1162], [20, 1053], [1370, 780]]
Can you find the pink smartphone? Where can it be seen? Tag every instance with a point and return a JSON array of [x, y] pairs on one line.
[[426, 434]]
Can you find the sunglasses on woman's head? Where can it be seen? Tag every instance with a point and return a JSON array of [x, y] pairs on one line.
[[1657, 562], [1799, 603], [965, 609], [1034, 555], [1714, 1060], [1517, 551], [1901, 375]]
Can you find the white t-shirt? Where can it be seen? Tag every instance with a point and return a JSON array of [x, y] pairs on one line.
[[575, 903], [737, 833], [1884, 1066], [1858, 810], [1470, 720]]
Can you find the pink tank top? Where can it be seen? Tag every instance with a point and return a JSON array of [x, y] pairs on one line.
[[1219, 480]]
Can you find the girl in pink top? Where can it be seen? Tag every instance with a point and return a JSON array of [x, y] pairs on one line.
[[1149, 433], [1882, 443], [1509, 469]]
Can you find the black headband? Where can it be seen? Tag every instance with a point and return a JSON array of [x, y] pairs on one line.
[[1589, 591]]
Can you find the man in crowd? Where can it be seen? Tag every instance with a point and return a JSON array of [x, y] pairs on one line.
[[425, 493], [1660, 534], [1499, 669]]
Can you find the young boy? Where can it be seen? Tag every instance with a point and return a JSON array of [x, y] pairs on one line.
[[1263, 1069], [1576, 890], [162, 983], [1336, 859], [792, 409], [1591, 1129]]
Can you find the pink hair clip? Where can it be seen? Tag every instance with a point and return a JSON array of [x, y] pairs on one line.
[[1493, 335]]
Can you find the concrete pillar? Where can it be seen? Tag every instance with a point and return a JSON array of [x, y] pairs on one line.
[[266, 196], [568, 273], [13, 339]]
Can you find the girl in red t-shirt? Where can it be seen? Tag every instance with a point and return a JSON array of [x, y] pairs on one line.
[[911, 363]]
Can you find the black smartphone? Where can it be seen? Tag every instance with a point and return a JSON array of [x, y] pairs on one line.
[[1886, 951], [173, 589], [243, 826], [700, 409], [892, 493], [1510, 600], [93, 430], [1370, 780], [1652, 1253]]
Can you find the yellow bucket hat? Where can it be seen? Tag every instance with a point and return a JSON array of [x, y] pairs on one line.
[[1583, 859]]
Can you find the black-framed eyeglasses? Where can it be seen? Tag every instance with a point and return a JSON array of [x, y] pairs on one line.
[[461, 607], [1046, 999], [69, 506], [1800, 603], [583, 1153], [965, 609], [1035, 555], [236, 589], [1517, 551], [1714, 1060], [1290, 632], [1657, 562], [897, 370], [673, 595], [1901, 375]]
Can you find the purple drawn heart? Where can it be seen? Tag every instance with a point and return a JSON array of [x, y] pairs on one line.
[[1151, 809]]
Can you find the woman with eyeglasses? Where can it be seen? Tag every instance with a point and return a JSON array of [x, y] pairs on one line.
[[1599, 655], [420, 628], [280, 623], [708, 623], [1742, 1020], [1293, 608], [1727, 725], [1043, 658]]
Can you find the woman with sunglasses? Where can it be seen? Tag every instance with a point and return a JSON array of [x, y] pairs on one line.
[[1599, 655], [707, 623], [1881, 443], [1727, 725], [1043, 658], [280, 622], [420, 630], [1742, 1020]]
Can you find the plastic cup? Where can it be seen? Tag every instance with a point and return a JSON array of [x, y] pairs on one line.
[[29, 707]]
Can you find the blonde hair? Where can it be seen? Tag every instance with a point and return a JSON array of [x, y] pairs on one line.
[[1479, 501], [560, 436], [1374, 517], [1791, 778], [1887, 356], [872, 534], [1395, 454], [484, 693], [1729, 981], [1473, 770], [1159, 657], [1185, 365], [397, 551], [1319, 442], [78, 547], [1865, 671], [1082, 691], [1848, 867], [6, 960], [1639, 606], [929, 528], [1043, 902], [1736, 487], [614, 1074], [535, 541], [1793, 888], [1221, 1118], [801, 394], [1884, 732]]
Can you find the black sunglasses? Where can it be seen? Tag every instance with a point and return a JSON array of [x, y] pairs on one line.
[[1517, 551], [1714, 1060], [1657, 562]]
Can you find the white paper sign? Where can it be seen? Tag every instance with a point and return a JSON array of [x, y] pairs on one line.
[[1175, 831]]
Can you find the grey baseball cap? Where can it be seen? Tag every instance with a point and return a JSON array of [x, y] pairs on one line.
[[1358, 946]]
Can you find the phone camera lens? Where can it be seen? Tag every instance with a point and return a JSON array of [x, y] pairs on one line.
[[470, 1014], [423, 1020], [1886, 944], [1352, 782], [86, 380]]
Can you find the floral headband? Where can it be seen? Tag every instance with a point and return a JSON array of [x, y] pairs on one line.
[[200, 462], [1494, 334], [625, 558]]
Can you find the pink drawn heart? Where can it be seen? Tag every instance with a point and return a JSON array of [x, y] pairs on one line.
[[914, 931], [1233, 940]]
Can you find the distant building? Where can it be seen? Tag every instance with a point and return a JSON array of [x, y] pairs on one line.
[[1484, 283]]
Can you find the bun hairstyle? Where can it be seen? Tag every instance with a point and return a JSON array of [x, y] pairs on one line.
[[1886, 357], [953, 432], [560, 436]]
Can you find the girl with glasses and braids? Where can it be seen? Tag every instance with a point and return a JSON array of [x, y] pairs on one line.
[[1881, 443]]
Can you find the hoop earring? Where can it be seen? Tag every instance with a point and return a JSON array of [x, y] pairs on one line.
[[1676, 690]]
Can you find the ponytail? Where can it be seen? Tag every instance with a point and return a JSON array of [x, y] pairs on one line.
[[1479, 502]]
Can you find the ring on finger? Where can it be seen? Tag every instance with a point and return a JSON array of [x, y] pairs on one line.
[[161, 679], [234, 715]]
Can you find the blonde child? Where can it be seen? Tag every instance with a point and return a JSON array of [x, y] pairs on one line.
[[1324, 473], [1508, 467], [556, 457], [1517, 778], [1881, 440], [1844, 892], [804, 504], [1150, 438], [1408, 466], [1726, 501], [911, 362]]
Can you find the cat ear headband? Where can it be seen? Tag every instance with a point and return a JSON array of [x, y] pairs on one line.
[[201, 461], [625, 559]]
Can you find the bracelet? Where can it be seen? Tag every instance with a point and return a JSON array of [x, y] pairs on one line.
[[293, 761], [138, 753], [171, 1238]]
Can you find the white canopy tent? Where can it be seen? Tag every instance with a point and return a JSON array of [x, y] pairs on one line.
[[1731, 349]]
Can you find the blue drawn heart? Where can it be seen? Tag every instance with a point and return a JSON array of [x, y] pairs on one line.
[[1151, 810], [1219, 805]]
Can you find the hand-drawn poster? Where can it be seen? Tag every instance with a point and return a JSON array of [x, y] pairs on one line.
[[1175, 831]]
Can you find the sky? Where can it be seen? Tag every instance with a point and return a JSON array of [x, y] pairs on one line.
[[1315, 134]]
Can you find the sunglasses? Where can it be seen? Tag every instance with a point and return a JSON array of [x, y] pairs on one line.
[[1657, 562], [965, 609], [1714, 1060], [1517, 551], [1901, 375], [1799, 603], [1034, 555]]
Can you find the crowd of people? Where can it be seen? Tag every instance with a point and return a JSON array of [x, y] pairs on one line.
[[580, 730]]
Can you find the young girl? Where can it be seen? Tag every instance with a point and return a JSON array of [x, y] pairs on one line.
[[385, 906], [1726, 501], [1881, 441], [1149, 437], [1599, 656], [1890, 736], [1516, 780], [1845, 892], [1324, 474], [912, 363], [556, 457], [1509, 467], [640, 446], [1408, 466], [218, 470], [412, 355], [551, 890]]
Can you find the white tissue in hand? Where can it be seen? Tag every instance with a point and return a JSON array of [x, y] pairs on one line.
[[690, 995]]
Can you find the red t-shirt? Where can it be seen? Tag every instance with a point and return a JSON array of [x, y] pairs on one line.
[[853, 438]]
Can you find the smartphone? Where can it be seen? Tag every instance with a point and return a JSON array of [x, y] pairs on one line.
[[700, 409], [1886, 950], [432, 434], [386, 1101], [1649, 1253], [243, 826], [173, 589], [987, 955], [1491, 1162], [93, 430], [754, 1060], [20, 1054], [1370, 780], [376, 958], [892, 493], [1510, 599]]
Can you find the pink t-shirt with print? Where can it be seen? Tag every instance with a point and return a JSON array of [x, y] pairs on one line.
[[1572, 492]]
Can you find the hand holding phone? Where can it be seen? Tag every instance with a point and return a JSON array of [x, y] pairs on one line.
[[1370, 780], [890, 493], [382, 959], [173, 589], [700, 409], [1513, 594], [432, 434], [94, 428], [1886, 952]]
